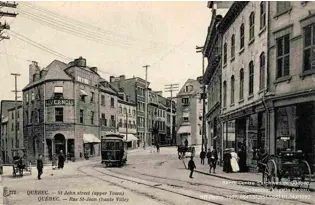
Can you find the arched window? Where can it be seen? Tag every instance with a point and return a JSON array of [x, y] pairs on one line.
[[232, 89], [242, 37], [225, 54], [251, 78], [262, 71], [242, 84], [251, 26], [224, 94], [262, 14], [233, 46]]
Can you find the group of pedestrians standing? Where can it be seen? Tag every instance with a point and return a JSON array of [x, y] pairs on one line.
[[40, 165], [212, 157]]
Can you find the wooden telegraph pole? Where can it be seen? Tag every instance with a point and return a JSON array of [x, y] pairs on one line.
[[171, 88]]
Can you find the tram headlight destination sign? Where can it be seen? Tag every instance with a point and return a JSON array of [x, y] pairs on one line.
[[65, 102]]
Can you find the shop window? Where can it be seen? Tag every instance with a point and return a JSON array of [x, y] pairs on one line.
[[283, 56], [242, 37], [58, 115], [251, 78], [262, 14], [233, 46], [251, 26], [309, 48], [262, 61]]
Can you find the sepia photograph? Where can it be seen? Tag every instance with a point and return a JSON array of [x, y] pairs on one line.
[[157, 102]]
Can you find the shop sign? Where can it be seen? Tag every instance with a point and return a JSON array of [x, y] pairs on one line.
[[285, 138], [59, 126], [65, 102]]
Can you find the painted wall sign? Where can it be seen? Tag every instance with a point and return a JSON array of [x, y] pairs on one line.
[[66, 102]]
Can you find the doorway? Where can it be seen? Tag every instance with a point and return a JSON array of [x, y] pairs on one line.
[[59, 143], [305, 131]]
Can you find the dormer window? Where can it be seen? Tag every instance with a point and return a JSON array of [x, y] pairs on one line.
[[58, 92]]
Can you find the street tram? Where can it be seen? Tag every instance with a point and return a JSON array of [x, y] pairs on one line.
[[113, 149]]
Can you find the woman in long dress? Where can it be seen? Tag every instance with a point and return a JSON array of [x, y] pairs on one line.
[[234, 161]]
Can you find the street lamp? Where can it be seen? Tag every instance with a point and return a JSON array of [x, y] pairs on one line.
[[203, 96]]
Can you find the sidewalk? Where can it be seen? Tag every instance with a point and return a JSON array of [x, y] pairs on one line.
[[245, 178]]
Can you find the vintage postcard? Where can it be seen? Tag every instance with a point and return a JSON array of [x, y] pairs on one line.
[[151, 102]]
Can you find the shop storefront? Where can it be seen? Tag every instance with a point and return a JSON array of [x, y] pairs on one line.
[[295, 129]]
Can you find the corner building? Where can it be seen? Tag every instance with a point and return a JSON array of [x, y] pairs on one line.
[[60, 109]]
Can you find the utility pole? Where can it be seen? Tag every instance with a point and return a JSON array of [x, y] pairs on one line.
[[127, 127], [146, 105], [6, 26], [15, 117], [203, 96], [171, 88]]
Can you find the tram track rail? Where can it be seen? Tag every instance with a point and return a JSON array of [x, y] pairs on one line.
[[239, 192]]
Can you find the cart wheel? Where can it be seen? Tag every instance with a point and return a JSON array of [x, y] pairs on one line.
[[306, 174], [270, 175]]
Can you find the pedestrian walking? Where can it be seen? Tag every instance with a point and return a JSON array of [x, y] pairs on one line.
[[213, 160], [61, 160], [40, 166], [54, 163], [191, 166], [202, 157], [158, 148]]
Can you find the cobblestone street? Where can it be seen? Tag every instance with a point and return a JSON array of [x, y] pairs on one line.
[[148, 178]]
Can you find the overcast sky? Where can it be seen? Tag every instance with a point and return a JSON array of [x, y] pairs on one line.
[[117, 37]]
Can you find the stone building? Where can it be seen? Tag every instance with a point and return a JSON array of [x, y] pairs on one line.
[[189, 113], [212, 78], [135, 89], [127, 120], [291, 68], [244, 77], [171, 115], [61, 105], [9, 146]]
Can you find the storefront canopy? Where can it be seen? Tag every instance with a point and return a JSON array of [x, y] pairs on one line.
[[184, 130], [131, 137], [90, 138]]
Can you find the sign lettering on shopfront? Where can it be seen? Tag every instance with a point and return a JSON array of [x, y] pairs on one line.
[[66, 102]]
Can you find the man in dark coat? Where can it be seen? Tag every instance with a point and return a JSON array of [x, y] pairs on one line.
[[186, 143], [61, 160], [157, 147], [213, 160], [191, 166], [40, 166], [202, 156]]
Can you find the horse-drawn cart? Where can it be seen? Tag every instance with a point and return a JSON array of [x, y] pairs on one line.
[[182, 150], [290, 165], [20, 166]]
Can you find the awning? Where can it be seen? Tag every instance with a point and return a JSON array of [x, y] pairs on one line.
[[186, 114], [184, 130], [131, 137], [90, 138], [58, 89], [83, 93]]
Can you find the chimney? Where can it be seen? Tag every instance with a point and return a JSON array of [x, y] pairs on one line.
[[111, 79], [122, 77], [32, 70], [94, 69]]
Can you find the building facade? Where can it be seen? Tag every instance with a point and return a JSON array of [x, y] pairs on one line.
[[11, 141], [189, 113], [212, 78], [127, 120], [244, 71], [61, 108], [135, 88], [290, 98]]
